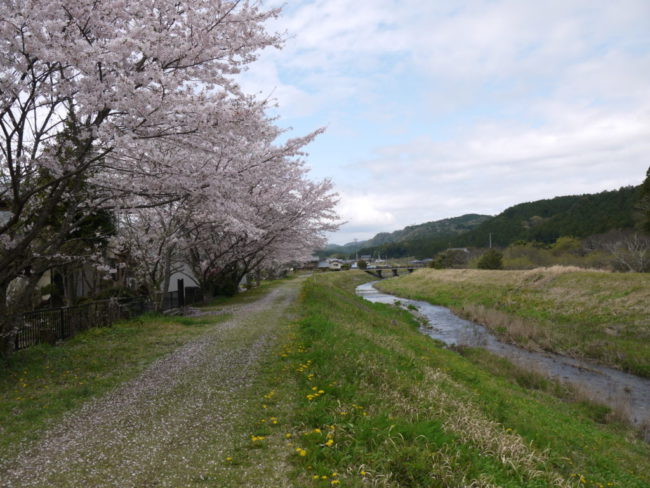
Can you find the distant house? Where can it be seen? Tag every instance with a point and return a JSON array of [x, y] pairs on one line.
[[365, 257], [330, 264]]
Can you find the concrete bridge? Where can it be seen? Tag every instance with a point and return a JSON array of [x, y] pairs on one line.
[[379, 272]]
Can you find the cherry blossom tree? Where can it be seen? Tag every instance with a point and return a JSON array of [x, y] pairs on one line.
[[242, 209], [85, 87]]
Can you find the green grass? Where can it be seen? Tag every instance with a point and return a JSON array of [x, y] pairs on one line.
[[595, 315], [400, 410], [39, 384], [353, 395]]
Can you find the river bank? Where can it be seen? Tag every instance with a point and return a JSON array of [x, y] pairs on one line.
[[407, 412], [599, 316], [627, 395]]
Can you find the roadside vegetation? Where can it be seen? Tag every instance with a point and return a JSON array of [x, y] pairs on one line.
[[596, 315]]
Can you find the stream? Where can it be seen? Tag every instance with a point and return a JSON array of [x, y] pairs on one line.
[[623, 392]]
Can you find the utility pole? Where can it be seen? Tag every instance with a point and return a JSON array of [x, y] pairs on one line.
[[490, 240]]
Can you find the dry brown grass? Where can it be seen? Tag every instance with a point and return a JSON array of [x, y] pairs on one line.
[[592, 314], [510, 327]]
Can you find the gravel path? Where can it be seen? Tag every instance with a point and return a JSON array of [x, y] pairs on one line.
[[169, 425]]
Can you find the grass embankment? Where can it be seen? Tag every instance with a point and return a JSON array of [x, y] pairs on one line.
[[600, 316], [364, 399]]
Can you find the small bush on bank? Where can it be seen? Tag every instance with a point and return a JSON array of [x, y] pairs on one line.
[[491, 260]]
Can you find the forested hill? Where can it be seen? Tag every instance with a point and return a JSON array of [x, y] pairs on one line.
[[541, 220], [430, 230], [546, 220], [439, 229]]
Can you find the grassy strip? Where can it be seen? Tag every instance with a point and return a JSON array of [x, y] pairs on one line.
[[596, 315], [256, 450], [372, 402], [39, 384]]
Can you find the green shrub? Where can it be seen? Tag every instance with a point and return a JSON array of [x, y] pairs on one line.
[[492, 259]]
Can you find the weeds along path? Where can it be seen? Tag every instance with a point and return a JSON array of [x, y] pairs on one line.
[[172, 423]]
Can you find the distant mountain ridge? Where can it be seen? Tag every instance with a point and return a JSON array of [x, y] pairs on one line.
[[444, 228], [546, 220], [438, 228], [541, 220]]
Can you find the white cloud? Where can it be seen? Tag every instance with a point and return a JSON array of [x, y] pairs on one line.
[[464, 107], [364, 211], [499, 164]]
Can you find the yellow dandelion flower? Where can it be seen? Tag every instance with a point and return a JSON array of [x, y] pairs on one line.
[[335, 482], [329, 442]]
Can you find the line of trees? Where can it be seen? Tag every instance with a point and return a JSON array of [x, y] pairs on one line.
[[122, 126]]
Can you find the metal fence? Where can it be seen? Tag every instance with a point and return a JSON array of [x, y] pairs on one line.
[[55, 324]]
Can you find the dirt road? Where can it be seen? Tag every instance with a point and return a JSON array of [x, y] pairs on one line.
[[172, 424]]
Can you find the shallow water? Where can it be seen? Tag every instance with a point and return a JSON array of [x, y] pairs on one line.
[[624, 392]]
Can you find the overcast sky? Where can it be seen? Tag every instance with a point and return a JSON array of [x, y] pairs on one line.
[[438, 108]]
